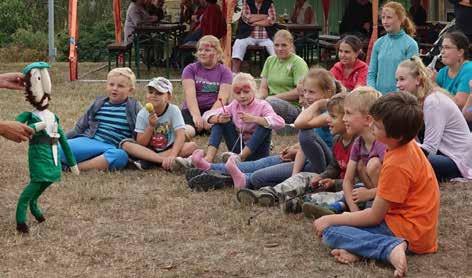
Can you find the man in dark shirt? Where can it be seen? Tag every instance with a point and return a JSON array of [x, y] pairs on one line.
[[463, 13], [357, 18]]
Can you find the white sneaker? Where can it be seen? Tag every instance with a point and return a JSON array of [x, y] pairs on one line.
[[182, 163]]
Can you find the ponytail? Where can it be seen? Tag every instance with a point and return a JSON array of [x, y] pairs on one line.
[[400, 11]]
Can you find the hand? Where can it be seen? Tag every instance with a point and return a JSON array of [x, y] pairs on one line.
[[327, 183], [167, 163], [14, 81], [361, 194], [152, 119], [247, 118], [315, 181], [223, 118], [288, 153], [198, 121], [320, 224], [75, 170], [15, 131]]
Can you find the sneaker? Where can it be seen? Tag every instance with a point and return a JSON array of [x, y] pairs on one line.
[[192, 172], [224, 157], [249, 197], [313, 211], [183, 163], [209, 179], [292, 205]]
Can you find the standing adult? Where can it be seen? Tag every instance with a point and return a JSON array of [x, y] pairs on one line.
[[357, 18], [455, 76], [206, 84], [463, 13], [391, 49], [303, 13], [13, 130], [212, 23], [418, 13], [280, 76], [256, 27], [135, 15], [350, 70]]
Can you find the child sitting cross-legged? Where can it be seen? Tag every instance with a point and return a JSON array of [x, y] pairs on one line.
[[328, 180], [246, 124], [405, 211], [160, 130]]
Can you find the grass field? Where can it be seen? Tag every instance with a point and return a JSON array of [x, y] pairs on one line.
[[148, 224]]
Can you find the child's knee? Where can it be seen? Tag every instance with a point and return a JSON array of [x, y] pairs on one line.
[[117, 159], [373, 167]]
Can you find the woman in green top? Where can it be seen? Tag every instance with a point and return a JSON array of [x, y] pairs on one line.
[[280, 76]]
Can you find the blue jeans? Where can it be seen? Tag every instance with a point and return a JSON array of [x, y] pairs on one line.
[[444, 168], [85, 148], [375, 242], [267, 171], [259, 143]]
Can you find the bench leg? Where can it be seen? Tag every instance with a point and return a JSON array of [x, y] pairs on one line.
[[109, 61]]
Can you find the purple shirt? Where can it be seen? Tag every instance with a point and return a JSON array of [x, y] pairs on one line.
[[360, 152], [207, 82]]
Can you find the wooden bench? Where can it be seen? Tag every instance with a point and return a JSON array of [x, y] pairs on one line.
[[117, 50]]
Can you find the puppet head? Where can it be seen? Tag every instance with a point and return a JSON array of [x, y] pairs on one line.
[[38, 85]]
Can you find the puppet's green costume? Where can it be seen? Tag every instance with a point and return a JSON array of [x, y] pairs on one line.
[[42, 167]]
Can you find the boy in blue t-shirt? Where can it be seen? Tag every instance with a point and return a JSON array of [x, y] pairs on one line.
[[160, 130]]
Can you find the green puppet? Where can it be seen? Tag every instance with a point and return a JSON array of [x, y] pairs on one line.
[[43, 159]]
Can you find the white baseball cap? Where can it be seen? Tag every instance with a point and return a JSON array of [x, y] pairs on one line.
[[161, 84]]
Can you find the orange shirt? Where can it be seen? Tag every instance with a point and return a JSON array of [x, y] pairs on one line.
[[407, 181]]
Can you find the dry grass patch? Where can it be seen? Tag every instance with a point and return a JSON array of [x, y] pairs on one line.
[[148, 224]]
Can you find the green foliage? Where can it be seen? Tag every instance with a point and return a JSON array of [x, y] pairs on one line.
[[13, 16], [93, 41], [26, 38]]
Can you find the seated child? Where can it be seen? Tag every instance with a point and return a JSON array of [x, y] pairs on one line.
[[318, 85], [110, 119], [246, 124], [299, 183], [160, 131], [405, 212]]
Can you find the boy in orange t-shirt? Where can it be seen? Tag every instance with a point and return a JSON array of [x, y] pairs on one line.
[[406, 207]]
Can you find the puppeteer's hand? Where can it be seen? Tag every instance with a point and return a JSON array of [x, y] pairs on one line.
[[75, 170], [13, 80], [15, 131]]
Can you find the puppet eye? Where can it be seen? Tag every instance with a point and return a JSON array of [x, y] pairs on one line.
[[39, 77]]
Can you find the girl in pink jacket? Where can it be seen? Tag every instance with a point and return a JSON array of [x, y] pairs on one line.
[[246, 124]]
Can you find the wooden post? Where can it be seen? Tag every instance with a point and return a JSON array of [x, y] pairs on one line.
[[73, 32], [375, 28]]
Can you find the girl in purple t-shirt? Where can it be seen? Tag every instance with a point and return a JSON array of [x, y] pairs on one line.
[[204, 82]]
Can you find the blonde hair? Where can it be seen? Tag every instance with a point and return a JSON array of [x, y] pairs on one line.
[[322, 79], [285, 35], [400, 11], [126, 72], [418, 70], [213, 42], [245, 77], [362, 98]]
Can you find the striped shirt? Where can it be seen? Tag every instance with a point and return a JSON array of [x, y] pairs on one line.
[[112, 123]]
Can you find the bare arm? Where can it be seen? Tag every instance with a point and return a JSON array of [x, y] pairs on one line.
[[299, 162], [467, 111], [12, 81], [460, 99], [365, 218], [311, 117], [263, 89], [348, 185], [291, 95], [223, 94]]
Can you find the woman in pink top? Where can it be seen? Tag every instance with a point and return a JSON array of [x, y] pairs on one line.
[[350, 70], [245, 124]]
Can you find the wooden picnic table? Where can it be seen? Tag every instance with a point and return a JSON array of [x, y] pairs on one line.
[[162, 34]]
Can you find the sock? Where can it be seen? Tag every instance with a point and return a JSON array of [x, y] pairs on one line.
[[198, 161], [239, 179]]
